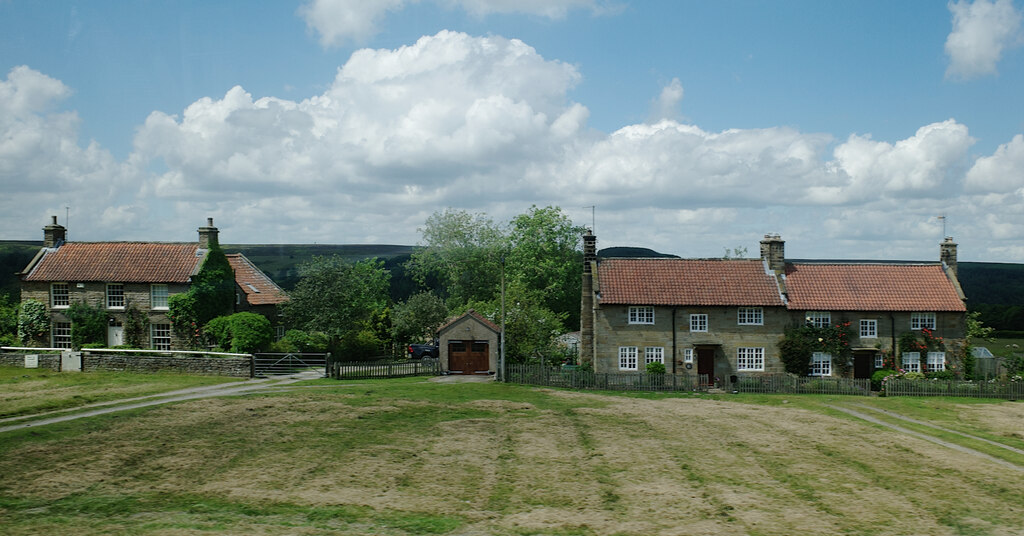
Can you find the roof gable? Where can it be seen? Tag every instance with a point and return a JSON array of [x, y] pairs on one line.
[[121, 262], [259, 289], [687, 282], [871, 287], [471, 314]]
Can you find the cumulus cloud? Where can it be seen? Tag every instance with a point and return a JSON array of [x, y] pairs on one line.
[[1002, 172], [666, 106], [982, 30], [339, 21]]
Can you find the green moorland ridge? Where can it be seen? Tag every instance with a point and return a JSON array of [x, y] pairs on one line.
[[995, 289]]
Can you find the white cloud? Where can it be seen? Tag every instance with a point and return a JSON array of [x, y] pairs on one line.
[[666, 106], [981, 32], [338, 21], [1001, 172]]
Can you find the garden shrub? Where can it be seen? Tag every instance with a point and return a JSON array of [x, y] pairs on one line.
[[878, 376], [241, 332], [88, 325], [301, 341], [33, 322], [913, 376], [655, 368], [946, 375]]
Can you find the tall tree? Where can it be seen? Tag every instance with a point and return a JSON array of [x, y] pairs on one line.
[[418, 317], [336, 297], [463, 252]]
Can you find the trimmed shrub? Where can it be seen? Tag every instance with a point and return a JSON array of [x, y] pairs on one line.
[[878, 376], [655, 368], [241, 332]]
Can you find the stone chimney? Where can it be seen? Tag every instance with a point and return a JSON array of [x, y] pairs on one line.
[[947, 254], [54, 234], [208, 235], [587, 298], [773, 250]]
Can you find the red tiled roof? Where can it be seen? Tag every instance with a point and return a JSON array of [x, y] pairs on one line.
[[258, 288], [121, 262], [871, 287], [483, 320], [687, 282]]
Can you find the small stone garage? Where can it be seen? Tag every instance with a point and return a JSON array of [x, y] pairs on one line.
[[469, 344]]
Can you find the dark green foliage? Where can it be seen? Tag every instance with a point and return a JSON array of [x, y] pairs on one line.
[[8, 321], [655, 368], [88, 325], [300, 341], [941, 375], [33, 322], [878, 376], [800, 342], [417, 319], [530, 327], [241, 332], [211, 294], [135, 326]]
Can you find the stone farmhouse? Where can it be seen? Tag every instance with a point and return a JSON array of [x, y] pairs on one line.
[[119, 276], [726, 317]]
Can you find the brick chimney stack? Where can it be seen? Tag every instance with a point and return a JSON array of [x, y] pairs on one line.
[[773, 250], [208, 235], [947, 254], [54, 234]]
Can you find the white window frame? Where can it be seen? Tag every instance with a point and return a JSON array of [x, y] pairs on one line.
[[687, 355], [158, 300], [821, 364], [115, 294], [627, 358], [60, 334], [911, 361], [919, 321], [160, 336], [868, 328], [654, 354], [750, 359], [879, 361], [819, 319], [699, 323], [936, 361], [64, 300], [750, 316], [641, 315]]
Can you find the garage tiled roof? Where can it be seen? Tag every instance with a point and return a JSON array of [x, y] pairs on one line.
[[687, 282], [472, 312], [258, 288], [122, 262], [871, 287]]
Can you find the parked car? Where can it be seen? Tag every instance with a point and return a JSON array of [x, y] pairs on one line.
[[419, 351]]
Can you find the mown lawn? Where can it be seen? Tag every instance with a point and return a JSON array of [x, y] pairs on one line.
[[415, 457], [29, 391]]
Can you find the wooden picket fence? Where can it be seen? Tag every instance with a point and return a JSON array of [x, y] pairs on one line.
[[790, 384], [348, 370], [1010, 390], [572, 378]]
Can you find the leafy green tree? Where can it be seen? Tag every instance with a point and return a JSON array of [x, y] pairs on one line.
[[33, 323], [336, 297], [418, 318], [462, 251], [211, 294], [295, 340], [241, 332], [88, 324], [530, 327], [8, 321], [545, 254]]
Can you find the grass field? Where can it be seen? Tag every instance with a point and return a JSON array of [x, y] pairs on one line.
[[410, 456]]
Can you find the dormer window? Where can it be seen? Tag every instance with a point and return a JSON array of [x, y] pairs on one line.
[[115, 295]]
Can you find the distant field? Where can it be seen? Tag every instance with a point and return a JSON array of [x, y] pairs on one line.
[[415, 457]]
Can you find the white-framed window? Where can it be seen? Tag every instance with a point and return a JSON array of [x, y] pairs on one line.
[[654, 354], [819, 319], [60, 295], [61, 333], [936, 361], [627, 358], [868, 328], [158, 296], [641, 315], [912, 361], [160, 336], [115, 296], [821, 364], [688, 355], [699, 322], [278, 332], [879, 361], [919, 321], [750, 316], [750, 359]]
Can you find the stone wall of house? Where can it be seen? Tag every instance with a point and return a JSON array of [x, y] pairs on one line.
[[237, 367], [612, 330], [469, 329]]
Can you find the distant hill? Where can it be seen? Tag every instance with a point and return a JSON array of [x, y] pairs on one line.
[[614, 252]]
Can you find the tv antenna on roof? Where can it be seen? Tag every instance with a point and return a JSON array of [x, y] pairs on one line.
[[593, 221], [943, 218], [67, 214]]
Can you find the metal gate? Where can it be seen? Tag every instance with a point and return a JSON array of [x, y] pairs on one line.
[[264, 365]]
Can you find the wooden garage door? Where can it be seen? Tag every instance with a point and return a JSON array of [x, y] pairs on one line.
[[468, 357]]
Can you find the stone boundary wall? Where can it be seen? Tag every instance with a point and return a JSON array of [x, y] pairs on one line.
[[236, 367], [46, 361]]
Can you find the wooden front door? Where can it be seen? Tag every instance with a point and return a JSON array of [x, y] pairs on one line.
[[706, 362], [863, 364], [468, 357]]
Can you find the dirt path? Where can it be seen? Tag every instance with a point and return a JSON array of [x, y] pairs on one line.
[[933, 439], [208, 391]]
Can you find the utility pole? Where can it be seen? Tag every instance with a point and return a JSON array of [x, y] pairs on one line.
[[501, 364]]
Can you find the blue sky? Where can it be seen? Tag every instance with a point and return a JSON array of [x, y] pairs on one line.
[[846, 127]]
